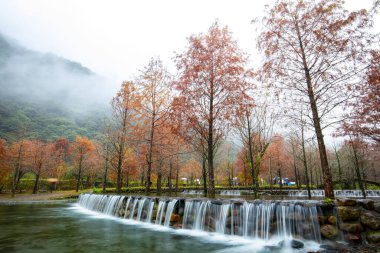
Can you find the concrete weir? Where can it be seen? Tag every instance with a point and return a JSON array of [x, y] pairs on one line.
[[290, 222]]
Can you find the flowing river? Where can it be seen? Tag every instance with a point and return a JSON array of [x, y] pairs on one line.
[[71, 227]]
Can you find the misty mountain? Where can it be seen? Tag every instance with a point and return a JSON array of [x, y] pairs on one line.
[[48, 96]]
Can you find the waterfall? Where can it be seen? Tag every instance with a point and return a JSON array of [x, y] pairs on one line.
[[150, 211], [230, 192], [192, 192], [254, 219], [102, 203], [141, 203], [132, 213], [303, 193], [160, 211], [357, 193], [221, 192], [337, 193], [169, 212], [126, 207]]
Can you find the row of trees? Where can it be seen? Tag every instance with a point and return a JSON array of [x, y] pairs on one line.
[[318, 60], [83, 161], [43, 159]]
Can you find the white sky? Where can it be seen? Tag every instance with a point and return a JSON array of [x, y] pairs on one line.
[[115, 38]]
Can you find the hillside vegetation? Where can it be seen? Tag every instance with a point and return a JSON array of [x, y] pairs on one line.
[[45, 96]]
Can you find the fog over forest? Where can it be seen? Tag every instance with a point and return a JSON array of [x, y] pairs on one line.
[[31, 76], [47, 96]]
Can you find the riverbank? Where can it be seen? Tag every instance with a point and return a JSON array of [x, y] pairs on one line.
[[39, 197]]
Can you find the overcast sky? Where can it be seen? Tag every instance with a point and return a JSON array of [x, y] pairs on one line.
[[115, 38]]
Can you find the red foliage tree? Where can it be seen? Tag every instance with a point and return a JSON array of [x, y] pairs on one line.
[[5, 170], [81, 147], [40, 157], [17, 157], [365, 117], [154, 88], [243, 167], [280, 159], [126, 120], [211, 84], [313, 52]]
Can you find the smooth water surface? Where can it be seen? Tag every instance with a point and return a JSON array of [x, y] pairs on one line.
[[56, 228]]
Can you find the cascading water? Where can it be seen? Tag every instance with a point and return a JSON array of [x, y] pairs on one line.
[[192, 192], [303, 193], [221, 192], [101, 203], [169, 211], [256, 219], [263, 220], [230, 192], [160, 211], [337, 193]]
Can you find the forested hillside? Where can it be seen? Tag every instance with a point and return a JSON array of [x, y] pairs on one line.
[[38, 121], [45, 96]]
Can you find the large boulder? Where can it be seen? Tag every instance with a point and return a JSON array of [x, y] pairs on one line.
[[329, 231], [175, 218], [371, 220], [373, 237], [376, 207], [332, 220], [354, 238], [351, 227], [367, 204], [322, 220], [295, 244], [346, 202], [348, 213], [333, 247]]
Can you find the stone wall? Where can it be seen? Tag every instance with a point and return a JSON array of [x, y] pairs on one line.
[[354, 221]]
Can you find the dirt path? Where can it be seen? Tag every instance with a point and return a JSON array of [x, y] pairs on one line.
[[28, 197]]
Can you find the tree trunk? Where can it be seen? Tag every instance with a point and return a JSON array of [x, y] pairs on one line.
[[210, 149], [327, 177], [204, 175], [177, 177], [127, 182], [17, 171], [35, 188], [79, 171], [357, 169], [270, 174], [305, 162], [299, 179], [295, 167], [142, 178], [150, 155], [14, 182], [19, 176], [232, 176], [256, 173], [364, 179], [311, 171], [245, 173], [159, 179], [170, 176], [339, 169], [250, 157], [105, 175], [119, 170]]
